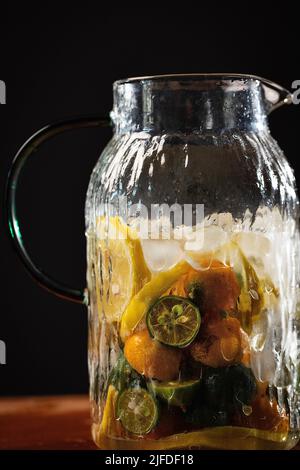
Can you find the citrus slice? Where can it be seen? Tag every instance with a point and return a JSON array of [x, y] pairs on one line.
[[110, 426], [174, 321], [176, 393], [251, 300], [151, 291], [137, 411], [122, 268], [222, 437]]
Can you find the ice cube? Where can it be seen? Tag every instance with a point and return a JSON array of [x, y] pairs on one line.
[[253, 244], [256, 247], [202, 244], [161, 255], [261, 339]]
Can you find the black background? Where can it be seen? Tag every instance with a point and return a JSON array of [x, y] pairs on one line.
[[59, 64]]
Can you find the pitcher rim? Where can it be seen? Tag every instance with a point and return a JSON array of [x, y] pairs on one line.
[[284, 95], [200, 75]]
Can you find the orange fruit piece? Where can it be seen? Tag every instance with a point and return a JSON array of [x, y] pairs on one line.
[[151, 358], [219, 286], [265, 413], [219, 344]]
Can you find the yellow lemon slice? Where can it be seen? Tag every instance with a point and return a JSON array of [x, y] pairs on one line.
[[108, 417], [122, 270], [151, 291], [227, 437], [110, 425]]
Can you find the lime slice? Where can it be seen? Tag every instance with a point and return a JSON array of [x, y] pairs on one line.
[[140, 303], [122, 268], [137, 411], [174, 321], [176, 393]]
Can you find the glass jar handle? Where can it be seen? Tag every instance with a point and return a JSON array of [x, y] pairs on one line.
[[32, 145]]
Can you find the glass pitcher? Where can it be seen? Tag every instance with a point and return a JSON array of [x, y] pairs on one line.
[[192, 267]]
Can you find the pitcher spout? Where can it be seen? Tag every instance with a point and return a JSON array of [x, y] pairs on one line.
[[275, 95]]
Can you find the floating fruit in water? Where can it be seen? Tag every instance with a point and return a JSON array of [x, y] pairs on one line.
[[124, 376], [122, 265], [180, 393], [215, 288], [219, 343], [151, 358], [151, 291], [110, 426], [137, 410], [174, 321], [226, 388], [242, 387]]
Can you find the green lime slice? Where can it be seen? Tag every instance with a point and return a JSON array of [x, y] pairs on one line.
[[174, 321], [137, 410], [176, 393]]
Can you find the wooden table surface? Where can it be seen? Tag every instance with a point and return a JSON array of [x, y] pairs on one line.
[[46, 423], [40, 423]]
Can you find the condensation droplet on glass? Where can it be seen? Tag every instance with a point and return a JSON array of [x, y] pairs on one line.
[[186, 161], [247, 410], [269, 289], [254, 294], [115, 289], [257, 342]]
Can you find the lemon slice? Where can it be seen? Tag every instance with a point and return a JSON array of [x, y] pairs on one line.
[[223, 437], [150, 292], [122, 270], [108, 417]]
